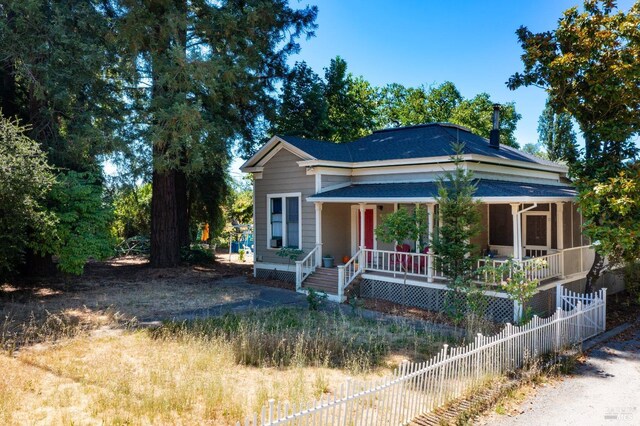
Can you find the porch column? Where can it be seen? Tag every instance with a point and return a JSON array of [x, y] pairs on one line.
[[362, 211], [318, 233], [418, 238], [430, 212], [517, 250], [560, 235]]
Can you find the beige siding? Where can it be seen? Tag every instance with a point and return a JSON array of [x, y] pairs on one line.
[[332, 180], [398, 177], [283, 175], [336, 230], [386, 209], [481, 241]]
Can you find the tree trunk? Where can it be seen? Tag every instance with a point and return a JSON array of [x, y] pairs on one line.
[[165, 241], [594, 273], [182, 209]]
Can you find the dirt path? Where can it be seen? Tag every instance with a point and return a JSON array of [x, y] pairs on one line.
[[604, 390]]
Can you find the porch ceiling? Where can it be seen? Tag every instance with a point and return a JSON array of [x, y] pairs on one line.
[[487, 190]]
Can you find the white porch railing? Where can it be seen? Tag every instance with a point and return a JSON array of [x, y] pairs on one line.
[[306, 266], [414, 264], [348, 272], [417, 388], [559, 264]]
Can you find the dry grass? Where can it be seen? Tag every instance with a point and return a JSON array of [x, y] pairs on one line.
[[193, 373], [71, 352], [132, 378]]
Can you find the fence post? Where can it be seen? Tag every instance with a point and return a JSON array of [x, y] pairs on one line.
[[340, 282], [604, 309], [579, 320], [362, 259], [559, 292], [429, 267], [298, 274], [517, 312]]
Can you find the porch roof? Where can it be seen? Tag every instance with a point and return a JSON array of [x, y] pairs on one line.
[[487, 190]]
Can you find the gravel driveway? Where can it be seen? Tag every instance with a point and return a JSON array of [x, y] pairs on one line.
[[605, 390]]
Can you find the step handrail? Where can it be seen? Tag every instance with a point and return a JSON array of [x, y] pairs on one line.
[[306, 267]]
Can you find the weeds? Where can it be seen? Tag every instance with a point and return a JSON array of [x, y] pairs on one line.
[[316, 299], [292, 337]]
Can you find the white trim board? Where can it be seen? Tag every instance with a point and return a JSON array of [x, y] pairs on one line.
[[354, 226], [427, 200]]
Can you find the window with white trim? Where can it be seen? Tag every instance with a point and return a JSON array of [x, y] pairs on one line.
[[284, 222]]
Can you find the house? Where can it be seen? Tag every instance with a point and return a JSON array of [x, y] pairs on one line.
[[327, 199]]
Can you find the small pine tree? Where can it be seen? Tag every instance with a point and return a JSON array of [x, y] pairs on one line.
[[460, 222]]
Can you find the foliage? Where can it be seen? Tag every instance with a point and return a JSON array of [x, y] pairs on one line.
[[60, 77], [132, 212], [316, 299], [205, 74], [351, 103], [557, 136], [290, 253], [241, 255], [514, 279], [197, 255], [535, 149], [476, 114], [339, 108], [134, 246], [26, 179], [83, 218], [303, 107], [589, 67], [405, 106], [632, 280], [611, 209], [460, 222], [402, 225]]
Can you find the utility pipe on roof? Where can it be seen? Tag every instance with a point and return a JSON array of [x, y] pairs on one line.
[[519, 227]]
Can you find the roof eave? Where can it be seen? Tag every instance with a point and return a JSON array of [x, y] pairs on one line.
[[427, 200]]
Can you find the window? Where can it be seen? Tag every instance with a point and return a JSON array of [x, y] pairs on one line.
[[284, 221]]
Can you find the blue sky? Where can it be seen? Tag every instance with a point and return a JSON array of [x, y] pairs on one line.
[[471, 43]]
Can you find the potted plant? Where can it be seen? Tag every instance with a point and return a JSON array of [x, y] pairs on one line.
[[327, 261]]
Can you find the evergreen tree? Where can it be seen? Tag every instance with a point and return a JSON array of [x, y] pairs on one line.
[[205, 73], [351, 103], [60, 78], [557, 136], [302, 108]]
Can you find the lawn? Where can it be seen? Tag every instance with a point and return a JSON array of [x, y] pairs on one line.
[[79, 364]]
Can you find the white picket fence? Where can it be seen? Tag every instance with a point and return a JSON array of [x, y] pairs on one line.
[[418, 388]]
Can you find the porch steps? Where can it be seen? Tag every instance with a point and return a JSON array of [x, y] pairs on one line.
[[323, 279]]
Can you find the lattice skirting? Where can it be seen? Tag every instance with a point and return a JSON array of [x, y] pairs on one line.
[[433, 299], [543, 303], [274, 274]]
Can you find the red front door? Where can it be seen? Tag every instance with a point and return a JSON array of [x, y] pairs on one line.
[[368, 229]]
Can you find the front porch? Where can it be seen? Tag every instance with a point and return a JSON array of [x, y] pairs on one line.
[[523, 232]]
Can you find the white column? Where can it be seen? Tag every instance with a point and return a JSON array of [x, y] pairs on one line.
[[560, 234], [417, 239], [362, 210], [430, 211], [517, 249], [318, 233]]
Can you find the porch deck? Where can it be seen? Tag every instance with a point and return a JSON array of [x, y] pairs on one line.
[[422, 270]]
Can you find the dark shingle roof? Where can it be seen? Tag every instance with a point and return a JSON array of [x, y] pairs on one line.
[[485, 188], [426, 140]]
